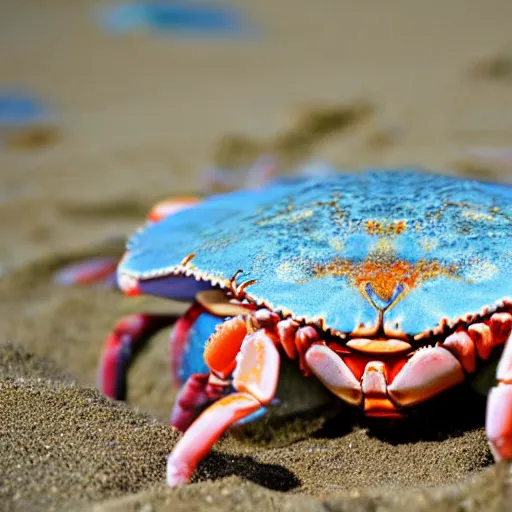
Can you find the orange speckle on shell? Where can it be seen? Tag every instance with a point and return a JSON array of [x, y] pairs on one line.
[[375, 227], [383, 274]]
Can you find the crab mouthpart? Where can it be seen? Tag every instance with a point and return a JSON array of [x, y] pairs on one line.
[[379, 346], [374, 384], [217, 303]]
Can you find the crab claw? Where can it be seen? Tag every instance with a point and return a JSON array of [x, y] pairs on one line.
[[334, 374], [204, 432], [255, 381], [429, 372], [129, 336]]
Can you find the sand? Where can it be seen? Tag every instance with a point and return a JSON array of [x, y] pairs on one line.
[[139, 118]]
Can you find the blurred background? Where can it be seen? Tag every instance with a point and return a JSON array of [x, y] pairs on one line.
[[106, 107]]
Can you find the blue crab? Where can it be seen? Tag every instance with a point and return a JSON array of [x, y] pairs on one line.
[[389, 287]]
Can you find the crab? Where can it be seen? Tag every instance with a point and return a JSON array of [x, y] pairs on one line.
[[387, 286]]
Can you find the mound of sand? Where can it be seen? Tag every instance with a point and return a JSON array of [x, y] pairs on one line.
[[65, 446]]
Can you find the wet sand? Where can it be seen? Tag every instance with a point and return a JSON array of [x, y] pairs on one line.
[[140, 117]]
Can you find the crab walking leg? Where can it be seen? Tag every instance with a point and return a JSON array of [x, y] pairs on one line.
[[498, 423], [87, 271], [255, 380], [103, 269], [304, 338], [296, 341], [194, 394], [286, 330], [168, 207], [128, 336]]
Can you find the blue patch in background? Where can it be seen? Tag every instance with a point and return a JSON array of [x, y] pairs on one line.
[[177, 17], [20, 109]]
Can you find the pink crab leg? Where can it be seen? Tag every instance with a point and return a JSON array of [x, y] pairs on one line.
[[190, 398], [286, 330], [304, 338], [128, 336], [102, 269], [478, 339], [197, 392], [255, 379], [261, 172], [167, 207], [296, 341], [92, 270], [463, 348], [498, 424], [204, 432]]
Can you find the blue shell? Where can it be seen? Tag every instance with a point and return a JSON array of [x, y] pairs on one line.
[[336, 250]]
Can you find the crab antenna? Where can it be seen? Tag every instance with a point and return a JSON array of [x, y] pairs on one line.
[[236, 274], [232, 282], [241, 288], [237, 290]]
